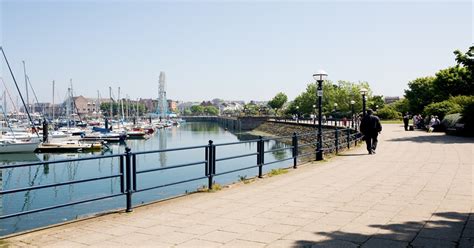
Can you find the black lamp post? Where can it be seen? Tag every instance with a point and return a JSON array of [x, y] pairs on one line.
[[320, 76], [297, 114], [363, 92], [352, 115], [335, 112]]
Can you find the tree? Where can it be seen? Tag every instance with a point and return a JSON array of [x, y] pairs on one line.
[[341, 93], [402, 106], [251, 109], [278, 101], [442, 108], [420, 93], [376, 102], [388, 113], [211, 110], [197, 110], [453, 81], [466, 59]]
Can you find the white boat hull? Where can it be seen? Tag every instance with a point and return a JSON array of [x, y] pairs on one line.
[[8, 146]]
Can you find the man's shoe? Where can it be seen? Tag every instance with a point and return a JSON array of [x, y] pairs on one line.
[[373, 151]]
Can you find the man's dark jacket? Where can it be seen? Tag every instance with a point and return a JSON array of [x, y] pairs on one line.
[[370, 125]]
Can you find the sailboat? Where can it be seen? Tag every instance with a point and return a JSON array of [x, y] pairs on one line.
[[13, 144]]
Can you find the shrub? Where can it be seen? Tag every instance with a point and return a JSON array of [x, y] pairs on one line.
[[462, 100], [451, 120], [468, 119], [442, 108], [388, 113]]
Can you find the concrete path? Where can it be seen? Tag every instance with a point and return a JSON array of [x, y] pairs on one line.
[[417, 191]]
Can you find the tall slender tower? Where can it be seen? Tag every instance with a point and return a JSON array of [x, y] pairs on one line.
[[162, 108]]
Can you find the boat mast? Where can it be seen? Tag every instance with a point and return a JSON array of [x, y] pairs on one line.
[[97, 104], [26, 86], [53, 103], [68, 103], [18, 89], [121, 104], [111, 103]]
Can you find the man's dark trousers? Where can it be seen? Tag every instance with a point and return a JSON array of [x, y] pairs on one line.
[[371, 141]]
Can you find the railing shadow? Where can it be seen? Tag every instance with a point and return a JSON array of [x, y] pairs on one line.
[[447, 229], [434, 138], [353, 154]]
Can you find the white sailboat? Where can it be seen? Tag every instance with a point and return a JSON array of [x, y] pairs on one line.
[[18, 145]]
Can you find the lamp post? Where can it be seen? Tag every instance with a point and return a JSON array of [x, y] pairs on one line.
[[335, 111], [363, 92], [352, 115], [320, 76], [297, 114], [314, 114]]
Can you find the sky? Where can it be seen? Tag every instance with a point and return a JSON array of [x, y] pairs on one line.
[[234, 50]]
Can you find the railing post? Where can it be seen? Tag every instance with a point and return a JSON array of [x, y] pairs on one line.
[[211, 163], [336, 134], [122, 174], [260, 156], [348, 138], [134, 171], [128, 167], [294, 143]]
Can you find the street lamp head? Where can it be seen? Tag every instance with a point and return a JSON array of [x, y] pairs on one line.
[[353, 102], [363, 91], [335, 104], [320, 75], [297, 107], [314, 106]]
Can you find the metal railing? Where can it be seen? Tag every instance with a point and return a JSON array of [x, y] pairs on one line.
[[333, 141]]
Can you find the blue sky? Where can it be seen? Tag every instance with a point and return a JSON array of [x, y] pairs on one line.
[[247, 50]]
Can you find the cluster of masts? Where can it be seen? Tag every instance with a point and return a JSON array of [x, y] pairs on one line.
[[66, 135]]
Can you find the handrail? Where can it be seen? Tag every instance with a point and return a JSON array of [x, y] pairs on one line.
[[333, 140]]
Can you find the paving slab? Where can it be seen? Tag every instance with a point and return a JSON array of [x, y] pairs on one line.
[[416, 191]]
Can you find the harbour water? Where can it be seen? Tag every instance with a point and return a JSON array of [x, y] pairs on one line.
[[188, 134]]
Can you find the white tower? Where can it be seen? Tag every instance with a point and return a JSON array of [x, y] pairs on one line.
[[162, 108]]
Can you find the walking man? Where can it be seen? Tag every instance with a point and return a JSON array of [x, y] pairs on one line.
[[370, 126]]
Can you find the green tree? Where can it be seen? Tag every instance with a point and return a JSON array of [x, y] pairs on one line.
[[420, 93], [251, 109], [453, 81], [442, 108], [211, 110], [376, 102], [402, 106], [388, 113], [278, 101], [197, 110], [466, 59], [187, 112], [341, 93]]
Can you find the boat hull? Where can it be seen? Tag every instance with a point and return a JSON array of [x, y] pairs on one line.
[[26, 147]]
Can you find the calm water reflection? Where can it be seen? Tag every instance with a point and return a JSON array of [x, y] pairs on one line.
[[190, 134]]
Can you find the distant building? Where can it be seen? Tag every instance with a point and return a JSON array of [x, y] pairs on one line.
[[150, 104], [391, 99], [87, 106]]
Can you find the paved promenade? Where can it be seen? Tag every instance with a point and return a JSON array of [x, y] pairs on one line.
[[417, 191]]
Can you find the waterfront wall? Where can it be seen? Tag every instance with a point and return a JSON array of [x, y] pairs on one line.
[[233, 123], [284, 129]]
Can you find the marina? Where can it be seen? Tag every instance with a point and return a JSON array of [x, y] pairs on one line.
[[187, 134]]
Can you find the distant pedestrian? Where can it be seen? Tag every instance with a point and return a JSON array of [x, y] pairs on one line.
[[370, 126], [406, 119]]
